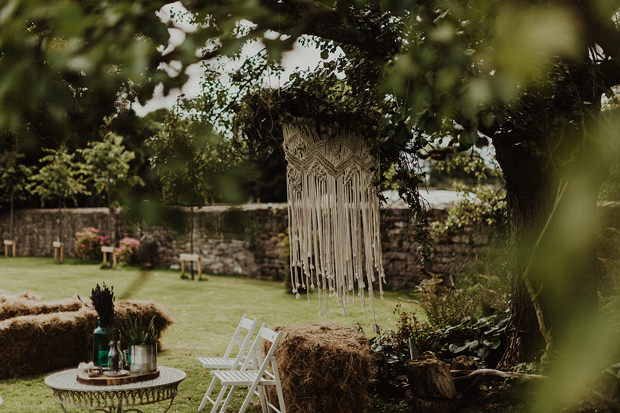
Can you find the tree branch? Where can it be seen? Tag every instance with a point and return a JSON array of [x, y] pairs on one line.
[[464, 375], [314, 18]]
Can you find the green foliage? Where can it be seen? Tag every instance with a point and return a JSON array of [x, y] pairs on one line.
[[61, 57], [479, 205], [482, 197], [13, 180], [477, 295], [135, 332], [391, 350], [59, 178], [483, 339], [194, 164], [446, 306], [13, 176], [106, 165]]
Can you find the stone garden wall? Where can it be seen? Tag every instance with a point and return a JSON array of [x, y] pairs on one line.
[[247, 240]]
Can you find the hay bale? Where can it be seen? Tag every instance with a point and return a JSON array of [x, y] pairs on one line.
[[26, 295], [21, 305], [45, 342], [40, 343], [323, 368], [145, 310]]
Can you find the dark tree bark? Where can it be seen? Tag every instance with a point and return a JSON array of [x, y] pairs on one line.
[[553, 230], [529, 191]]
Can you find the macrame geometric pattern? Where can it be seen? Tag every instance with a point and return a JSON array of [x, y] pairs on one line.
[[333, 212]]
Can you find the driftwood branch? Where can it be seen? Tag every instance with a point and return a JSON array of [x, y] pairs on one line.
[[464, 375], [473, 377]]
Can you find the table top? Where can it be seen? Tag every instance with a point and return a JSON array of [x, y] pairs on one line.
[[67, 380]]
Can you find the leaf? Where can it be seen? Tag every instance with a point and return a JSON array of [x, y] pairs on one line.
[[482, 352], [492, 344]]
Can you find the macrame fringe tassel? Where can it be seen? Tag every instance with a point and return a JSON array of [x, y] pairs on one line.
[[333, 213]]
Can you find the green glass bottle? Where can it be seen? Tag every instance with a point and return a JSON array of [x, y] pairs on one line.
[[100, 345]]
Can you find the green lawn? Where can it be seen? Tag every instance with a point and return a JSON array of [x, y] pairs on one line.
[[206, 314]]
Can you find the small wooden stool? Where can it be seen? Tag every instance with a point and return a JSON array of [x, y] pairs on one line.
[[109, 250], [59, 251], [9, 243], [191, 258]]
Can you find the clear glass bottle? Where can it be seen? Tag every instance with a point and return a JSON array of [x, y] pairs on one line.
[[100, 345], [113, 358]]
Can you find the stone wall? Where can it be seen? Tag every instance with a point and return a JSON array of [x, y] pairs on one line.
[[244, 240]]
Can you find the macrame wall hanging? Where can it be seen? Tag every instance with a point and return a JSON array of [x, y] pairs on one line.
[[333, 212]]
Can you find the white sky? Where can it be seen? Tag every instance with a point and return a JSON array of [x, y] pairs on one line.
[[299, 58]]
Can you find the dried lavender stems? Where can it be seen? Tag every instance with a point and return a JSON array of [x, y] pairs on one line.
[[103, 301]]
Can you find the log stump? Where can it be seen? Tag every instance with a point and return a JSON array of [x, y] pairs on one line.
[[431, 386]]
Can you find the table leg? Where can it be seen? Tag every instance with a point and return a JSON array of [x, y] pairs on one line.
[[170, 405]]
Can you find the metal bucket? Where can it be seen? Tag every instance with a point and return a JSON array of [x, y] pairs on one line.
[[143, 358]]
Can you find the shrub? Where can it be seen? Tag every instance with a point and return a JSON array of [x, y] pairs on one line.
[[127, 249], [392, 349], [479, 296], [147, 253], [88, 244], [483, 339]]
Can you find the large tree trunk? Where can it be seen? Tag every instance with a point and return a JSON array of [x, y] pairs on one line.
[[558, 255], [552, 204], [529, 185]]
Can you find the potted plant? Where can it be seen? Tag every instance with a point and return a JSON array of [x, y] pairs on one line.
[[103, 302], [142, 342]]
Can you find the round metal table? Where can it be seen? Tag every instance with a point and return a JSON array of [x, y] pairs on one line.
[[117, 398]]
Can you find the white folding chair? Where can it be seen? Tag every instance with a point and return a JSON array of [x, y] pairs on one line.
[[238, 339], [256, 380]]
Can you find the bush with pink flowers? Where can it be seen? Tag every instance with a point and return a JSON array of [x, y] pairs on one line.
[[88, 244], [127, 249]]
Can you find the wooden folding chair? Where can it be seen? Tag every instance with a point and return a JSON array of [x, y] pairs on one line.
[[238, 339], [256, 380]]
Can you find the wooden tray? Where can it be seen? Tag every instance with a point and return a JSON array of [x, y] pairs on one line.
[[104, 380]]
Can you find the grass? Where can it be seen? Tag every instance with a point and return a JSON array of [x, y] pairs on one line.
[[206, 314]]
